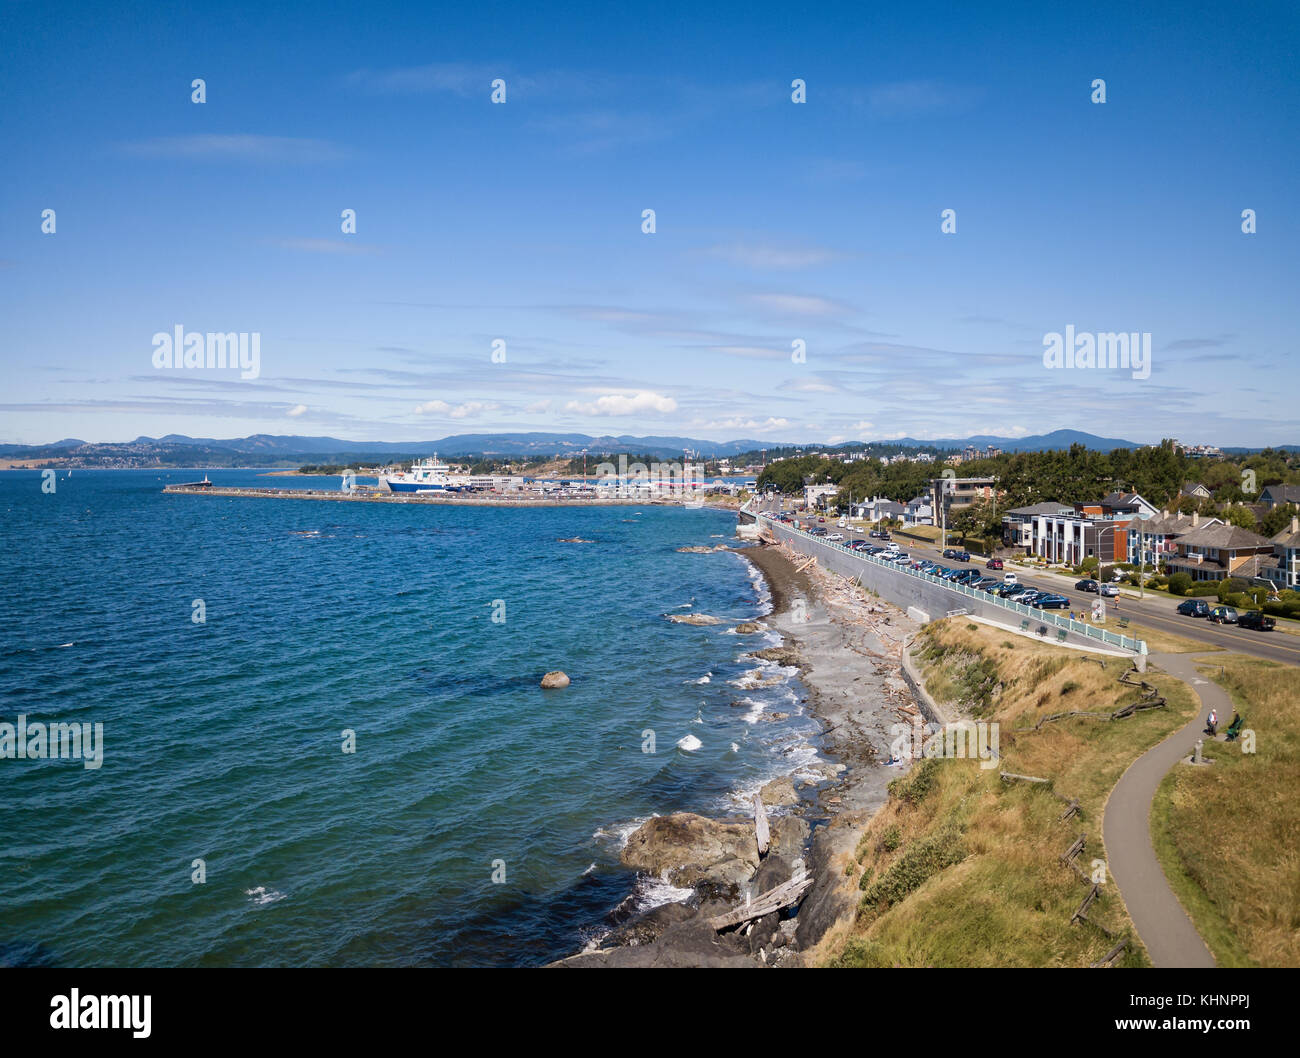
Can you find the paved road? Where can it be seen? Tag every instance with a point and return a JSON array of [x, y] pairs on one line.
[[1161, 922], [1155, 611]]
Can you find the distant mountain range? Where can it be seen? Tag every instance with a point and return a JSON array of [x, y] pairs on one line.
[[277, 450]]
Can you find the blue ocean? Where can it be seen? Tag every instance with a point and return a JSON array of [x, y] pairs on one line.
[[478, 819]]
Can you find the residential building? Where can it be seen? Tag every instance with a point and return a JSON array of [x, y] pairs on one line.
[[1018, 523], [877, 509], [1126, 504], [1196, 490], [1152, 540], [1283, 568], [816, 495], [1278, 495], [949, 495], [919, 511], [1212, 552]]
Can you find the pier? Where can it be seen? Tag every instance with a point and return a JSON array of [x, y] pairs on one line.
[[462, 499]]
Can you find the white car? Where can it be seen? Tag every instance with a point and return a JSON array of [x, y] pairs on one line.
[[1009, 578], [1108, 590], [835, 537]]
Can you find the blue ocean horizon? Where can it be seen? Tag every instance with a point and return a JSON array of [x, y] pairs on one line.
[[478, 821]]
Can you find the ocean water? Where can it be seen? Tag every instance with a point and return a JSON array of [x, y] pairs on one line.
[[478, 821]]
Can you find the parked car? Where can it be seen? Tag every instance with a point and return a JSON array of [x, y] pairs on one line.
[[1257, 620], [885, 536], [836, 537], [993, 563], [821, 519], [1194, 608], [1223, 615], [876, 534], [962, 556], [949, 552], [1013, 591], [1051, 602], [1086, 585], [1109, 590], [985, 583]]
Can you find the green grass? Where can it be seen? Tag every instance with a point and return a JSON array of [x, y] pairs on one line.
[[961, 869], [1225, 835]]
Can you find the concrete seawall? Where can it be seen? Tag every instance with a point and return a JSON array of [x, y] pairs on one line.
[[926, 600]]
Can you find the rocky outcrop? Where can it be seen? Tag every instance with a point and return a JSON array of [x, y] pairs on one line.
[[693, 619], [748, 628], [689, 849], [779, 792], [555, 680]]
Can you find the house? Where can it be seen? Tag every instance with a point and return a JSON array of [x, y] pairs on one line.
[[1283, 568], [817, 495], [1018, 523], [1121, 504], [1154, 539], [1196, 490], [918, 511], [1212, 552], [1277, 495], [877, 509]]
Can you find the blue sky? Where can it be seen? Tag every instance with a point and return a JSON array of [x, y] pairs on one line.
[[776, 222]]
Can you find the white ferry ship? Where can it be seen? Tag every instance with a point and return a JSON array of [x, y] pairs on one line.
[[428, 475]]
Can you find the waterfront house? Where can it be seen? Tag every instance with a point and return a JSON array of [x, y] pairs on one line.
[[1212, 552]]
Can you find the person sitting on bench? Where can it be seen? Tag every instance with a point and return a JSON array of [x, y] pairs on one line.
[[1234, 728]]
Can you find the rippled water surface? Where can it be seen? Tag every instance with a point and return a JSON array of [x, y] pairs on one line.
[[223, 740]]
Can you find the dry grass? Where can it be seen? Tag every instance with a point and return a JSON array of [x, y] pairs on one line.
[[1007, 901], [1226, 835]]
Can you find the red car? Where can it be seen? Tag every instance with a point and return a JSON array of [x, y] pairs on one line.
[[993, 563]]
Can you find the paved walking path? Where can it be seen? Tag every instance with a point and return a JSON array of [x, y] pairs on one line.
[[1163, 925]]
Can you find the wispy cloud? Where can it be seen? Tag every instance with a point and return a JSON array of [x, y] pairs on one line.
[[773, 257], [624, 404]]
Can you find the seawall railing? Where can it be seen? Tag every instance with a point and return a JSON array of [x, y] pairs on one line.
[[1046, 617]]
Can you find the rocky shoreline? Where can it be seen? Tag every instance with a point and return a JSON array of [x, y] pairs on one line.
[[846, 646]]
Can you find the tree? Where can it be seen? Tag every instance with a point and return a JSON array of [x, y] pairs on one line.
[[1278, 518], [1179, 583]]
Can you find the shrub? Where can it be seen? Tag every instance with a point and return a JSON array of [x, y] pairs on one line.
[[1231, 584], [1203, 587], [914, 786], [891, 839], [921, 862], [1179, 583], [1069, 686]]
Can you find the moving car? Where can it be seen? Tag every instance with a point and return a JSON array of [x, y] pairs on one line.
[[1110, 591], [949, 552], [993, 563], [1086, 585], [961, 556], [1256, 619], [1008, 578], [1223, 615], [1194, 608]]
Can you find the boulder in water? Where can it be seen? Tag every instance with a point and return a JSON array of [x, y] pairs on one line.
[[554, 680]]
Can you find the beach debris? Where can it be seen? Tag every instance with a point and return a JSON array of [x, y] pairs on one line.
[[761, 834], [555, 680], [784, 895]]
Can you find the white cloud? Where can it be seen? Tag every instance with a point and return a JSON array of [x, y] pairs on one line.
[[296, 410], [767, 425], [800, 304], [453, 411], [624, 404], [772, 257]]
